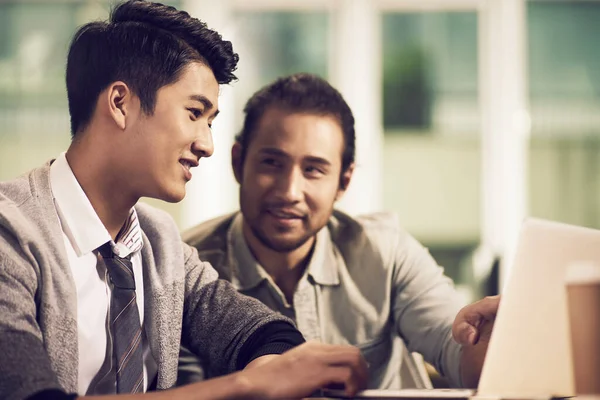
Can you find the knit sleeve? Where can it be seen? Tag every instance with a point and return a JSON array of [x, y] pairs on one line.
[[25, 367], [217, 320]]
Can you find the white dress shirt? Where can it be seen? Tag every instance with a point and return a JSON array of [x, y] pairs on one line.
[[83, 233]]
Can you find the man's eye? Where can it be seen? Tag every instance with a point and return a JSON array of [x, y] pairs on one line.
[[313, 171], [270, 162], [195, 112]]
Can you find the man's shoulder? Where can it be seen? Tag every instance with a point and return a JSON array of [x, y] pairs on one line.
[[209, 234], [210, 240], [14, 219], [157, 224], [380, 220], [147, 212], [381, 223], [27, 216], [17, 191], [20, 199], [379, 232]]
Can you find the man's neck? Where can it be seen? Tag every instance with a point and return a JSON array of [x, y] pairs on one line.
[[111, 204], [286, 268]]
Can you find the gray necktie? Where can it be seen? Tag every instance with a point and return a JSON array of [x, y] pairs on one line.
[[124, 323]]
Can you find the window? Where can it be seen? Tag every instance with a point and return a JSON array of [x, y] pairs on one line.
[[432, 156], [274, 44], [564, 75]]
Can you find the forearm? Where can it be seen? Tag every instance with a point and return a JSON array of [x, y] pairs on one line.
[[233, 386], [473, 328], [257, 362], [472, 358], [471, 363]]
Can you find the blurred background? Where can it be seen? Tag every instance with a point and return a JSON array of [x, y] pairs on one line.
[[471, 114]]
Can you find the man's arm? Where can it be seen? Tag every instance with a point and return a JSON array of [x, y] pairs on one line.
[[26, 373], [293, 375], [424, 305], [223, 327], [270, 339], [24, 366]]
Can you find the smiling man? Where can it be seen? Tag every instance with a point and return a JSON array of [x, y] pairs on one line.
[[361, 281], [97, 292]]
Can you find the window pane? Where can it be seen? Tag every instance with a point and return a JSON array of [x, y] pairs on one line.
[[274, 44], [33, 104], [430, 72], [432, 133], [564, 75]]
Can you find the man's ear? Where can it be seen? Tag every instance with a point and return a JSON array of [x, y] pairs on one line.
[[344, 181], [236, 161], [121, 103]]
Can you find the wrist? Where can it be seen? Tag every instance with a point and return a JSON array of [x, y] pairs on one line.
[[247, 387]]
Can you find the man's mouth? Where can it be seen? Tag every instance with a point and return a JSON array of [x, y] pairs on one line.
[[186, 164], [283, 214]]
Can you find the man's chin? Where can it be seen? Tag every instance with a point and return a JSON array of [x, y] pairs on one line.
[[280, 240], [281, 245], [172, 196]]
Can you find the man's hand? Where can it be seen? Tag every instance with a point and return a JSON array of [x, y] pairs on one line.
[[305, 369], [467, 327], [472, 328]]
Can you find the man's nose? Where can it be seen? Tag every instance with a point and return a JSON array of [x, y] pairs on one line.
[[203, 146], [291, 185]]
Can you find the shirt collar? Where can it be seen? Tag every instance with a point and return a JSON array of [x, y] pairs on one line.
[[251, 274], [129, 239], [322, 267], [325, 262], [79, 220]]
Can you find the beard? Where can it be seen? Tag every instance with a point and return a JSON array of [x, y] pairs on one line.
[[280, 245]]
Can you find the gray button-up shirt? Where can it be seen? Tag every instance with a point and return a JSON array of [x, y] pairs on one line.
[[368, 283]]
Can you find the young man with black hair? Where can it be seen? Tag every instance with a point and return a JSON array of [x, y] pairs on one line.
[[362, 281], [97, 292]]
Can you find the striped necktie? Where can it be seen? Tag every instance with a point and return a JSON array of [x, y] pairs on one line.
[[124, 323]]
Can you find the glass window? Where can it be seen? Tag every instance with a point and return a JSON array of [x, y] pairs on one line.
[[431, 119], [430, 72], [564, 76], [33, 105], [274, 44]]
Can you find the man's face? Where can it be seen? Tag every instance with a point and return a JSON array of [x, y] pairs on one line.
[[174, 138], [290, 178]]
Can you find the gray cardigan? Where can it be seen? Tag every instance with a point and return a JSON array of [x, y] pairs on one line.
[[185, 303]]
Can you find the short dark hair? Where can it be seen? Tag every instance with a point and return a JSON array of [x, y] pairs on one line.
[[302, 93], [147, 46]]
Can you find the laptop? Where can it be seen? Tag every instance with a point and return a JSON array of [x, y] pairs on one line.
[[529, 352]]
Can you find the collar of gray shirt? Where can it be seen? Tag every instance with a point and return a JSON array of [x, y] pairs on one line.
[[322, 268]]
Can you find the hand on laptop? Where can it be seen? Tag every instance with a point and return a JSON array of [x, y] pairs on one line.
[[470, 321], [472, 328], [307, 368]]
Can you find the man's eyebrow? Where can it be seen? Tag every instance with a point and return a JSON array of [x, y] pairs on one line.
[[204, 100], [280, 153], [273, 151], [318, 160]]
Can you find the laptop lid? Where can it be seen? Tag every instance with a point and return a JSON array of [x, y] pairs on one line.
[[529, 352]]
